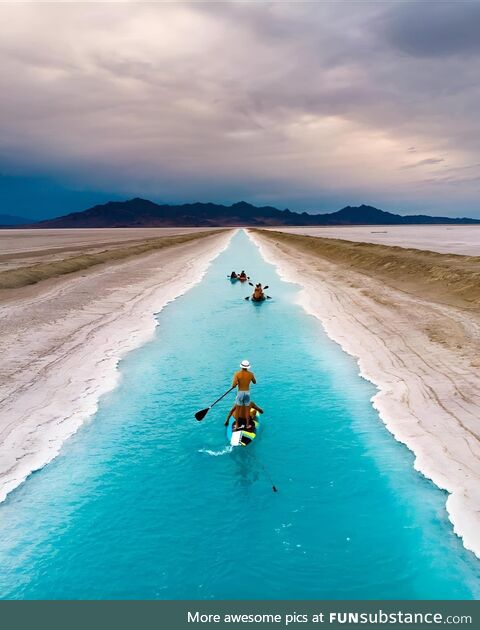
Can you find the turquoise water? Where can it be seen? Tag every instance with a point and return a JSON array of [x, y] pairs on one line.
[[145, 502]]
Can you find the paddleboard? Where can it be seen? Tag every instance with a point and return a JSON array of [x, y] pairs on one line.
[[241, 437]]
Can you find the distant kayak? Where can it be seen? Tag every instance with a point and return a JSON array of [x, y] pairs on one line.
[[241, 437], [259, 294]]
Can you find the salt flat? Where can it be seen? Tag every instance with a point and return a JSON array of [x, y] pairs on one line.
[[446, 239], [28, 240], [19, 248]]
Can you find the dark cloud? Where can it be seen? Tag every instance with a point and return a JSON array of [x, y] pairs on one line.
[[301, 104], [434, 29]]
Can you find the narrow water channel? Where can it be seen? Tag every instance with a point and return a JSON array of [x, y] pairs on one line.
[[144, 502]]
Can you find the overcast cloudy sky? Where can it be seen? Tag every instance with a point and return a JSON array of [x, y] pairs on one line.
[[305, 105]]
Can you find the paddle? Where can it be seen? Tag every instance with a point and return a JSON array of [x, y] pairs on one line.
[[267, 474], [200, 415], [274, 487], [252, 285]]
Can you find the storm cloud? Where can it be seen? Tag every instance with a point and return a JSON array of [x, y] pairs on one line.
[[304, 105], [435, 29]]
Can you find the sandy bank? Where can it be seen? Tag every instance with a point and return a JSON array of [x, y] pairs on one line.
[[63, 338], [421, 352]]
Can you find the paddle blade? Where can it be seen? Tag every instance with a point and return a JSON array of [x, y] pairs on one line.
[[265, 287], [200, 415], [248, 297], [250, 284]]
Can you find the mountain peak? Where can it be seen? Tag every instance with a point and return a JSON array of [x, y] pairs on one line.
[[139, 201], [242, 204]]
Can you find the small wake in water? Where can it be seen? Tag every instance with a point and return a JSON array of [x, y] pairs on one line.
[[227, 449]]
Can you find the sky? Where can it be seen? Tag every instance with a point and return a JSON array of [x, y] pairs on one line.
[[310, 106]]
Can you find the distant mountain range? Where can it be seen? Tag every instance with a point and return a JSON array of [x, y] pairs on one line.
[[9, 220], [143, 213]]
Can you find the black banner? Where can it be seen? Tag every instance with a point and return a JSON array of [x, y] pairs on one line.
[[196, 615]]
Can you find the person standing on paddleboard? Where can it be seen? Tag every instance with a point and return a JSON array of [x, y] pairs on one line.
[[242, 380]]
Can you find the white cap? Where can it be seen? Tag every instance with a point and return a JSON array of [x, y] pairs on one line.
[[245, 364]]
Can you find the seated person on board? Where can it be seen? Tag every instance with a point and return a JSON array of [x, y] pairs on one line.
[[254, 409]]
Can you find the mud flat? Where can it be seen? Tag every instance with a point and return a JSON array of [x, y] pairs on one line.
[[412, 320], [63, 336]]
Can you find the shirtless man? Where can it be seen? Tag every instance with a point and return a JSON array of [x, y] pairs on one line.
[[242, 380]]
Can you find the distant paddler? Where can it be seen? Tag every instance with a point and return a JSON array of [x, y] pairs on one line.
[[242, 380], [234, 275], [258, 295], [252, 414], [243, 276]]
